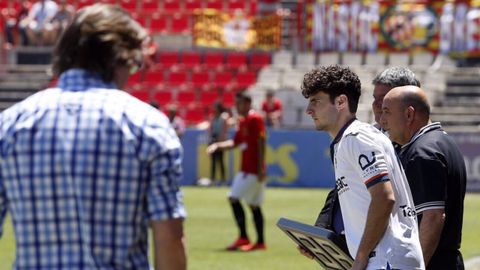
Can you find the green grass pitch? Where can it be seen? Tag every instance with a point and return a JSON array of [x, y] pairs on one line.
[[210, 228]]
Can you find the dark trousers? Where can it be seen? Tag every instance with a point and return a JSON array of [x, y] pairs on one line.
[[217, 159], [446, 260]]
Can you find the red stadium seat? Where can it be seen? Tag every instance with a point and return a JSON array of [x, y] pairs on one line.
[[236, 4], [172, 6], [208, 98], [192, 5], [245, 79], [177, 78], [236, 60], [228, 99], [168, 59], [134, 79], [149, 6], [223, 79], [215, 4], [200, 79], [162, 98], [214, 60], [83, 3], [129, 5], [186, 98], [154, 76], [143, 95], [180, 23], [158, 23], [253, 7], [191, 59], [195, 115], [259, 60], [112, 2], [141, 19]]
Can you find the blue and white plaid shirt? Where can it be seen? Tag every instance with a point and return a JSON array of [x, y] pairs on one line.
[[83, 168]]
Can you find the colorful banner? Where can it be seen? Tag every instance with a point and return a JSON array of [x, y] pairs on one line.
[[213, 28], [301, 158], [447, 27]]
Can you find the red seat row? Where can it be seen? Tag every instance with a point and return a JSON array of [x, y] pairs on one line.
[[160, 23], [174, 6], [214, 59], [194, 108], [202, 80]]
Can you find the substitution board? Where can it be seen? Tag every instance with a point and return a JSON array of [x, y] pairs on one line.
[[327, 248]]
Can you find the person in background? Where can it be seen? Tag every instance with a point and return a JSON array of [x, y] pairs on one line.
[[375, 199], [85, 168], [38, 20], [249, 184], [218, 133], [176, 121], [59, 21], [13, 23], [272, 110], [435, 169], [384, 82]]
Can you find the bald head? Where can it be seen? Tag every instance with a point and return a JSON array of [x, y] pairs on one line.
[[405, 110], [411, 96]]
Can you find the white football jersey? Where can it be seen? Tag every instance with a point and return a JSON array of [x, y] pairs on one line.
[[363, 157]]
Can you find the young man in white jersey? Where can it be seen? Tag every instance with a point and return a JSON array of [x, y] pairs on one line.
[[377, 206]]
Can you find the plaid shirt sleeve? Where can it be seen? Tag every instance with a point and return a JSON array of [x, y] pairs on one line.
[[3, 202], [164, 197]]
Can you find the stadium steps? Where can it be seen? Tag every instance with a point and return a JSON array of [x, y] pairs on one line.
[[20, 81], [457, 109]]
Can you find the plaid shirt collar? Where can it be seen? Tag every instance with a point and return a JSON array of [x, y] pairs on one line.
[[81, 80]]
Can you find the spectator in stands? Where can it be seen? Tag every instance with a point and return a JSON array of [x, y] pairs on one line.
[[372, 189], [249, 183], [38, 20], [435, 170], [272, 110], [175, 120], [13, 24], [100, 165], [218, 133], [59, 22]]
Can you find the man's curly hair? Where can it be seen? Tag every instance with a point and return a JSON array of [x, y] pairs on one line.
[[333, 80]]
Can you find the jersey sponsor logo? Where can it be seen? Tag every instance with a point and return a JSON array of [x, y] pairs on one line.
[[341, 185], [408, 211], [365, 162]]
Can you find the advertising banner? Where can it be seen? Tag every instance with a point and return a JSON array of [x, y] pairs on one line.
[[469, 144], [294, 158], [301, 158]]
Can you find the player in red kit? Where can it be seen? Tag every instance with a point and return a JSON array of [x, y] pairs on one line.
[[249, 183]]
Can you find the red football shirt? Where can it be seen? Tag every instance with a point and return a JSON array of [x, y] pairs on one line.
[[269, 108], [250, 130]]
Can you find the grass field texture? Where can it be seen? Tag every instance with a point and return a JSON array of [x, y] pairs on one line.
[[210, 227]]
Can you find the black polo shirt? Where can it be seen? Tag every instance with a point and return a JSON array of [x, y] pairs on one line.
[[436, 173]]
